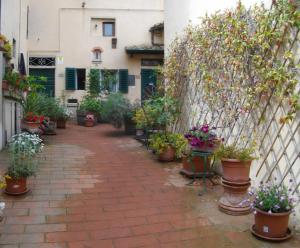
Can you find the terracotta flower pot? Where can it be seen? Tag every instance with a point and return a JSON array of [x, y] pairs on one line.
[[61, 124], [271, 225], [5, 85], [196, 165], [235, 170], [167, 155], [16, 186], [89, 123]]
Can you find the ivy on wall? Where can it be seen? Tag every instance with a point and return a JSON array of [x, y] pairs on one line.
[[237, 58]]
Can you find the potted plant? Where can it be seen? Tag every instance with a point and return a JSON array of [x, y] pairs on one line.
[[23, 151], [89, 120], [89, 105], [115, 109], [201, 138], [272, 205], [168, 145], [32, 123], [63, 116], [236, 162]]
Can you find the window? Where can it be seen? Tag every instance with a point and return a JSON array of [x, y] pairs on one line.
[[80, 79], [114, 43], [75, 79], [109, 80], [108, 28], [97, 54]]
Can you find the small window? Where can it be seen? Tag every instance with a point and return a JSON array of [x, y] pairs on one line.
[[108, 29], [80, 79], [97, 56], [114, 43]]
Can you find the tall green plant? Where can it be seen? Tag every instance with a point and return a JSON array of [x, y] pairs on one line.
[[94, 82]]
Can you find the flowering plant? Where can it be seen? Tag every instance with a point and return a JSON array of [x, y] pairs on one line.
[[90, 117], [30, 117], [273, 198], [202, 136], [23, 149]]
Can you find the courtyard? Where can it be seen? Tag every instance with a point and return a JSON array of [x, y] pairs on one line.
[[98, 188]]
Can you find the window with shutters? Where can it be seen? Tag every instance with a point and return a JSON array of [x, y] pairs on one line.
[[75, 79]]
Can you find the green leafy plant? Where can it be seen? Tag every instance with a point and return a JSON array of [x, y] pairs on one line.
[[23, 151], [90, 105], [234, 152], [63, 113], [159, 142], [115, 108], [157, 112], [94, 82], [13, 78]]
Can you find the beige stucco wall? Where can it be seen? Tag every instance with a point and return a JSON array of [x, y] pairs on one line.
[[178, 13], [63, 28]]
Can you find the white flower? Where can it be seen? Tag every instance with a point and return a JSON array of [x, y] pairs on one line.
[[2, 205]]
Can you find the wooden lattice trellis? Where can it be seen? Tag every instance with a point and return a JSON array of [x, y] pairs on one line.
[[278, 142]]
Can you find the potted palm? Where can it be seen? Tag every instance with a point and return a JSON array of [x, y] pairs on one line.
[[23, 151], [168, 146], [272, 205], [62, 117]]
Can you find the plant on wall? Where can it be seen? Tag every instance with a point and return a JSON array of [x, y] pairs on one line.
[[94, 82], [237, 57]]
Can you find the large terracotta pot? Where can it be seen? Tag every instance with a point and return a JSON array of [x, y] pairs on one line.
[[168, 154], [16, 186], [61, 124], [235, 170], [129, 126], [196, 165], [271, 225], [5, 85]]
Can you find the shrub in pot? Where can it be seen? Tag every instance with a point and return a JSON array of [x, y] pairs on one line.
[[115, 108], [168, 146], [272, 205], [235, 161], [63, 116], [23, 152], [89, 105]]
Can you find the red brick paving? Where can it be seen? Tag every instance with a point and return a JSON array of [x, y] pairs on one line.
[[97, 188]]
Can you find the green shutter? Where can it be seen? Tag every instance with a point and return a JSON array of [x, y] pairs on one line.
[[123, 81], [70, 78]]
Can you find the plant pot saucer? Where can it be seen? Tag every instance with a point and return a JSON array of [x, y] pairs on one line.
[[235, 183], [16, 194], [288, 235]]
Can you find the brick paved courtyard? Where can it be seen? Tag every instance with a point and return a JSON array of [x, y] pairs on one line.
[[97, 188]]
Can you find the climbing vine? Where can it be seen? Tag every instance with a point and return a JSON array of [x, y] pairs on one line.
[[235, 59]]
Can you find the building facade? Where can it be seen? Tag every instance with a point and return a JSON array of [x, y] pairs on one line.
[[14, 26], [69, 38]]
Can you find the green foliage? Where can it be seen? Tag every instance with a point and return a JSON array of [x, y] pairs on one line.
[[159, 142], [235, 57], [23, 151], [273, 198], [115, 108], [234, 152], [157, 112], [13, 78], [94, 82], [91, 105], [8, 50]]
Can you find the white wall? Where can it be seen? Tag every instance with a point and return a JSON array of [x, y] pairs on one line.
[[179, 13]]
